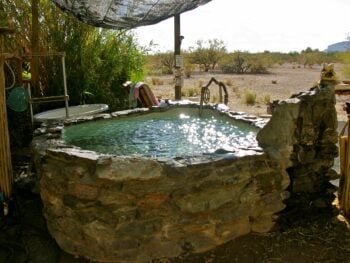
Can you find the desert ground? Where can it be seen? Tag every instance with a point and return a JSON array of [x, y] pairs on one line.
[[281, 82]]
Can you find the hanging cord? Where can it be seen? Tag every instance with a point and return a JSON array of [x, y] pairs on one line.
[[13, 76]]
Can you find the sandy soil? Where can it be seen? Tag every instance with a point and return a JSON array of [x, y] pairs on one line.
[[280, 84]]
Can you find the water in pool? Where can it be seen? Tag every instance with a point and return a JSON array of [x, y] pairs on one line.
[[172, 134]]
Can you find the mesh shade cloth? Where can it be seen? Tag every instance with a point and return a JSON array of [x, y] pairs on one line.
[[124, 14]]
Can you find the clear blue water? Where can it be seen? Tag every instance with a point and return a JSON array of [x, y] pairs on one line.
[[171, 134]]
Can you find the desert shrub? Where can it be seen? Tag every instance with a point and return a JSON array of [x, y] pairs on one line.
[[236, 63], [346, 61], [258, 68], [157, 81], [244, 62], [215, 99], [188, 69], [250, 97], [160, 63], [274, 81], [207, 54], [267, 99], [190, 92], [229, 82], [200, 83]]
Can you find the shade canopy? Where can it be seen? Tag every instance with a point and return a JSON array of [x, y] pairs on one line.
[[126, 14]]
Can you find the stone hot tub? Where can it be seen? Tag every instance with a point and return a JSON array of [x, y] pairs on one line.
[[134, 208]]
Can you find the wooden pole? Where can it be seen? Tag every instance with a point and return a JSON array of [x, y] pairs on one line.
[[177, 57], [34, 67], [6, 177]]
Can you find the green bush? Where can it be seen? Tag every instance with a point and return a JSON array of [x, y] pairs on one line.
[[243, 62], [97, 61]]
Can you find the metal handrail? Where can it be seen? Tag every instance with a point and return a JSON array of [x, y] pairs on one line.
[[205, 93], [64, 97]]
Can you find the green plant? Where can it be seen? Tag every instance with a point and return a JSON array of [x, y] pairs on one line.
[[97, 60], [274, 81], [214, 99], [250, 97], [190, 92]]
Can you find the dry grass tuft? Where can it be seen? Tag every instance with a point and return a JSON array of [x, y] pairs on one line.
[[157, 81], [250, 97]]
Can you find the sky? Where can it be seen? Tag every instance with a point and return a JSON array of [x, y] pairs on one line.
[[256, 25]]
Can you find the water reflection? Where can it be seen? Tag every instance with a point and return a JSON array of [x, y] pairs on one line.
[[163, 135]]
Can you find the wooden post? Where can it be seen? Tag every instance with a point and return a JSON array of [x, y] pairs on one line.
[[5, 153], [177, 57], [34, 67]]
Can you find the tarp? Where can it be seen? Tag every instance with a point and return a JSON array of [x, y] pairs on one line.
[[126, 14]]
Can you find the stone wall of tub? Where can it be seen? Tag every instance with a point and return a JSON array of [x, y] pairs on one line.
[[302, 134], [132, 209]]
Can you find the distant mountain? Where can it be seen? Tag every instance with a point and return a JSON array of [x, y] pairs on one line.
[[339, 47]]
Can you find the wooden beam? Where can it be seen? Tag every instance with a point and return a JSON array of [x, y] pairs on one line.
[[177, 57]]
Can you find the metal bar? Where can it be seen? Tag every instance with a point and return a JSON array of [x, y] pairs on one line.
[[49, 98], [46, 101], [65, 86]]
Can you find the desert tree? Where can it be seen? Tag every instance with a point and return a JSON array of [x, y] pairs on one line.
[[167, 62], [207, 54]]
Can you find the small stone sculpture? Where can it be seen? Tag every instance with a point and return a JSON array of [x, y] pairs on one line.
[[328, 74]]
